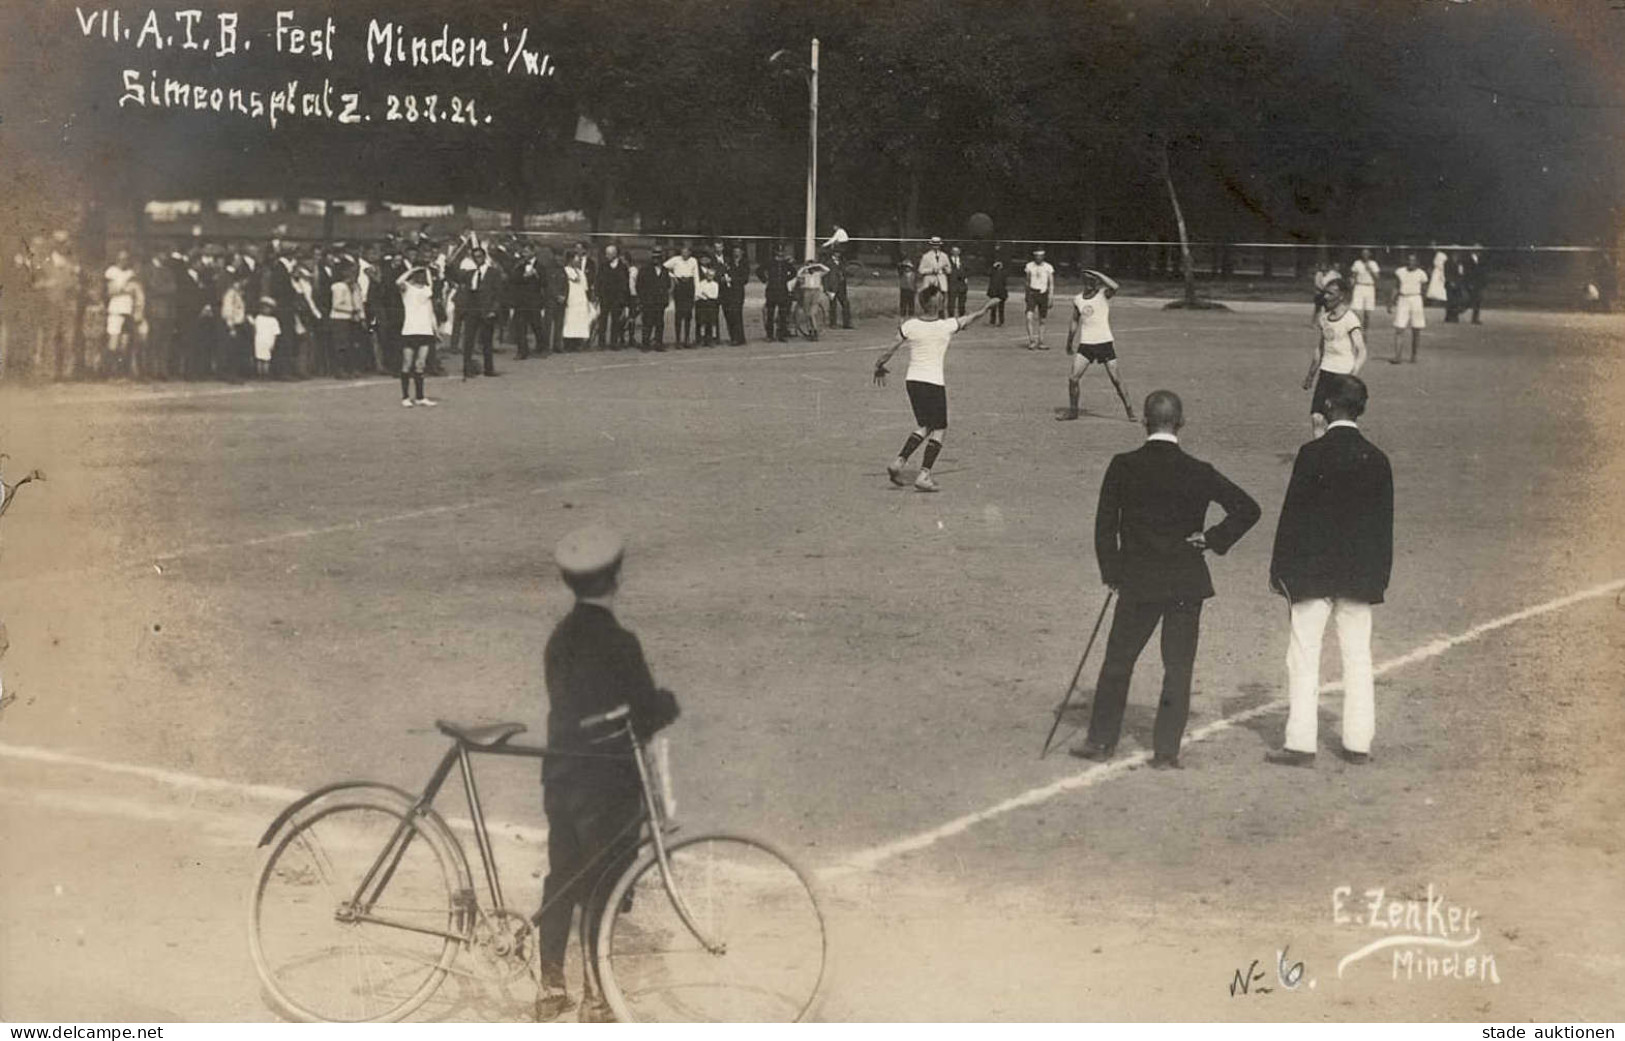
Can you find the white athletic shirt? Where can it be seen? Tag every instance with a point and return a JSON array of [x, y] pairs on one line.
[[1040, 276], [1412, 280], [1337, 354], [418, 302], [1096, 315], [120, 297], [683, 267], [927, 344], [1365, 272]]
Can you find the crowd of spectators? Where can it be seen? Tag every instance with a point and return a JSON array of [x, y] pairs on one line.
[[286, 310]]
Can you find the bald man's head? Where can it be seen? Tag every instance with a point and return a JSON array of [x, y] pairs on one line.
[[1163, 412]]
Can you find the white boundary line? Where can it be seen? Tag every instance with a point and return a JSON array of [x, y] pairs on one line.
[[864, 860], [869, 859]]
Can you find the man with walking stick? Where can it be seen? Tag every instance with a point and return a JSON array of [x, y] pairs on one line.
[[1149, 540]]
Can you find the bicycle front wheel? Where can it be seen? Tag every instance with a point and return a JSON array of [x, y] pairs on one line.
[[325, 958], [747, 899]]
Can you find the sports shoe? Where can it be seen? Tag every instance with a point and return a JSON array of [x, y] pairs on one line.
[[1171, 762], [1356, 758], [595, 1010], [895, 472], [924, 483], [1289, 757], [427, 402], [552, 996], [406, 403]]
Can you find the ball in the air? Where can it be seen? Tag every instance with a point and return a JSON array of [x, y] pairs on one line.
[[980, 226]]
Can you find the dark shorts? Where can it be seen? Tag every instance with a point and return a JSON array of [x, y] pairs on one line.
[[930, 401], [1324, 383], [1039, 302], [1098, 352]]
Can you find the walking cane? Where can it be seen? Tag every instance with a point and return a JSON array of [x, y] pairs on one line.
[[1065, 698]]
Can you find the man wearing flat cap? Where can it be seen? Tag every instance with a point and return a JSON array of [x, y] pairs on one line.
[[591, 795]]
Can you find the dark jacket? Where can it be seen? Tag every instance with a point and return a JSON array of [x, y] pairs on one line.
[[614, 285], [996, 278], [732, 280], [654, 284], [777, 275], [527, 287], [593, 665], [1335, 537], [488, 297], [1150, 500]]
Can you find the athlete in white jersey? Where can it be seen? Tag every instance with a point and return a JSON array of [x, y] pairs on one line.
[[1364, 272], [1339, 352], [1089, 339], [1410, 283], [927, 340]]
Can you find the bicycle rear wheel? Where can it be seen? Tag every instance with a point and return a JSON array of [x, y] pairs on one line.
[[318, 962], [806, 322], [744, 895]]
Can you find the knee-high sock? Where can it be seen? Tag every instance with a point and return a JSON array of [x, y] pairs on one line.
[[932, 447]]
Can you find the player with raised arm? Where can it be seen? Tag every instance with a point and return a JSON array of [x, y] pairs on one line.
[[1089, 339], [927, 340], [1339, 352]]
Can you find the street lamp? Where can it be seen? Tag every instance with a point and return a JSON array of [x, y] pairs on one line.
[[785, 62]]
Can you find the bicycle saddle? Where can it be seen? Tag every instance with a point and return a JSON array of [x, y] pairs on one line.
[[487, 736]]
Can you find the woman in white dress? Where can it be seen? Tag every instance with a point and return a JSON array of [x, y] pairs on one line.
[[577, 316], [1436, 289]]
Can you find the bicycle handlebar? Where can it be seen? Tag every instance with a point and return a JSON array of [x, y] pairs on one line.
[[617, 713]]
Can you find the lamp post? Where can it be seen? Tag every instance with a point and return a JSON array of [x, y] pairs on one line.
[[784, 62]]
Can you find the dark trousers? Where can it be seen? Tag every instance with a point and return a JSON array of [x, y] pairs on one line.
[[733, 313], [612, 324], [840, 309], [705, 323], [481, 327], [956, 301], [527, 322], [591, 839], [995, 314], [682, 302], [1475, 302], [905, 303], [1132, 624], [777, 318], [654, 324]]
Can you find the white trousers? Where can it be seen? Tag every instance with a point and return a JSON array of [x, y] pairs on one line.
[[1303, 672]]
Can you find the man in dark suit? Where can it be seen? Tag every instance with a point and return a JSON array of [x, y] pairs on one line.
[[1149, 540], [482, 297], [1334, 549], [614, 293], [654, 293]]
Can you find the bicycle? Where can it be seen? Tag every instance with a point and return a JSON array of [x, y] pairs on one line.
[[364, 900], [808, 322]]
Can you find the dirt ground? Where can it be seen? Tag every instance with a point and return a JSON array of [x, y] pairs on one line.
[[244, 592]]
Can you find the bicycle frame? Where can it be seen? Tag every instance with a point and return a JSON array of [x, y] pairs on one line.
[[372, 885]]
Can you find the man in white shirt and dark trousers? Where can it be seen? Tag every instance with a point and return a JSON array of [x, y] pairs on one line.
[[1334, 551], [927, 341], [1339, 352]]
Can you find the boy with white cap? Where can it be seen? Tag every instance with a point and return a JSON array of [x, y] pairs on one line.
[[592, 796]]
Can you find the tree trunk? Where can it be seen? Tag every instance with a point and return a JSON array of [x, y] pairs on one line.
[[1184, 236]]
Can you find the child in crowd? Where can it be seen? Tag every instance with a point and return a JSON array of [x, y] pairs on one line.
[[266, 330], [706, 293]]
